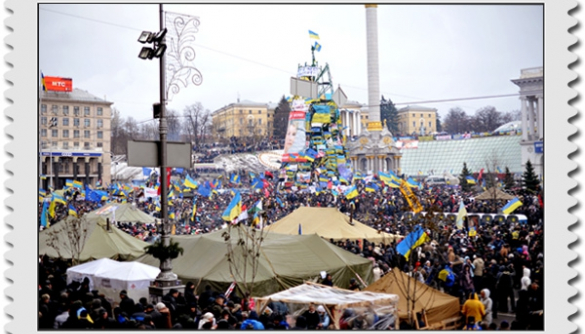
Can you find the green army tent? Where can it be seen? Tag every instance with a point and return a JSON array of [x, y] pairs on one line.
[[328, 223], [438, 306], [284, 261], [122, 212], [89, 239]]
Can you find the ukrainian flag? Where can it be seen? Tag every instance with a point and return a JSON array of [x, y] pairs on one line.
[[511, 206], [234, 209], [68, 183], [72, 211], [313, 34], [412, 240], [317, 47], [194, 210], [42, 194], [470, 180], [189, 182], [78, 184], [44, 220], [351, 192], [372, 188]]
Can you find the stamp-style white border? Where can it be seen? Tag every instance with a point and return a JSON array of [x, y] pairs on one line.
[[23, 148]]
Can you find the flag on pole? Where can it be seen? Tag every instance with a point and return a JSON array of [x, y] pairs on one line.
[[461, 214], [313, 35], [189, 182], [414, 239], [512, 205], [317, 48], [234, 208], [352, 192], [229, 291], [72, 211], [194, 212], [44, 221], [300, 229]]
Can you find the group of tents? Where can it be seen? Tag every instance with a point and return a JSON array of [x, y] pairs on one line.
[[282, 260]]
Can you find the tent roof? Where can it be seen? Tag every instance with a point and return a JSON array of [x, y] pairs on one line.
[[284, 260], [328, 223], [124, 212], [322, 294], [439, 306], [99, 242], [492, 193], [124, 271]]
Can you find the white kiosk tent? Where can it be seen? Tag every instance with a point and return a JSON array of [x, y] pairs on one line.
[[110, 277], [335, 300]]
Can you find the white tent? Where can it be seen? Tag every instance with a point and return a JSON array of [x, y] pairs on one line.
[[110, 277]]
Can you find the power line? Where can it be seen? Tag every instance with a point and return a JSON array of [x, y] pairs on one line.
[[278, 69]]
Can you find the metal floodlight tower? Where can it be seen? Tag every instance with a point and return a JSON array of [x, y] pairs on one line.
[[166, 278]]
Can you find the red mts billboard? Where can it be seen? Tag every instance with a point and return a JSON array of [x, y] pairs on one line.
[[57, 84]]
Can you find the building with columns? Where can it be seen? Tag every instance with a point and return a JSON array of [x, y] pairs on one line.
[[351, 118], [417, 120], [74, 138], [531, 83]]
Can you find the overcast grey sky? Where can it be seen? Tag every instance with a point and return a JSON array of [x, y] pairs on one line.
[[426, 52]]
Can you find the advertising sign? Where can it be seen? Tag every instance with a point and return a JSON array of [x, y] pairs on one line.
[[538, 147], [295, 140], [57, 84], [307, 71], [407, 144], [444, 137]]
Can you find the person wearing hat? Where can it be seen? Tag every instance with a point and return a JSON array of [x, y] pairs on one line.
[[126, 303], [208, 319], [218, 306], [104, 321], [353, 285], [323, 318], [165, 319]]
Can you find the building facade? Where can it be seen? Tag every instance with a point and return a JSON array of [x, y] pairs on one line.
[[351, 118], [74, 138], [417, 120], [245, 119], [531, 83]]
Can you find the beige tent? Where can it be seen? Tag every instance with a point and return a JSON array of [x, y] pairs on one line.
[[122, 212], [328, 223], [438, 306], [97, 241], [284, 261], [493, 193]]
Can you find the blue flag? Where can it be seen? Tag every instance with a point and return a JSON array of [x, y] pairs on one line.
[[44, 222]]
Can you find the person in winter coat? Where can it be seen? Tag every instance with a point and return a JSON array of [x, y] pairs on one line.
[[473, 308], [487, 304], [525, 280], [323, 318], [252, 322]]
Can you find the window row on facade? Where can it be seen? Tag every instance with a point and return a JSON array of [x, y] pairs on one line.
[[66, 145], [74, 133], [54, 121], [55, 109]]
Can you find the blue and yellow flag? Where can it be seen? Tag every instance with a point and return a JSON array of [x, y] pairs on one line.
[[44, 220], [234, 208], [235, 178], [78, 184], [512, 205], [313, 35], [414, 239], [72, 211], [68, 183], [351, 192], [189, 182], [317, 47], [470, 180], [42, 194], [194, 209]]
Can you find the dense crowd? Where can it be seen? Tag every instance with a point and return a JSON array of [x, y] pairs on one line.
[[205, 153], [495, 271]]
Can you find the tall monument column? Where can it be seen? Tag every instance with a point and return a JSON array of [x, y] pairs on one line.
[[374, 123]]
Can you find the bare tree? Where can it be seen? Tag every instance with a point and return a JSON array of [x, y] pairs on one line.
[[118, 136], [456, 121], [487, 119], [243, 254], [197, 123], [173, 125], [69, 237]]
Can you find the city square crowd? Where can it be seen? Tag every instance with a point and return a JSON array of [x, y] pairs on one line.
[[496, 271]]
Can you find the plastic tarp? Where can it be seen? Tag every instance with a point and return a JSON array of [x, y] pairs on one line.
[[438, 306], [328, 223], [122, 212], [493, 193], [96, 241], [330, 296], [110, 277], [284, 261]]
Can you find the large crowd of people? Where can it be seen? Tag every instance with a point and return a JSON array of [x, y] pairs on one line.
[[496, 271]]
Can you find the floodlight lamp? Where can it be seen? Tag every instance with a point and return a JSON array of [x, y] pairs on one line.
[[145, 37], [160, 51], [158, 37], [146, 53]]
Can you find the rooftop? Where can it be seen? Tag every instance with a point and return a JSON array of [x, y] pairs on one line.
[[416, 108], [76, 95]]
